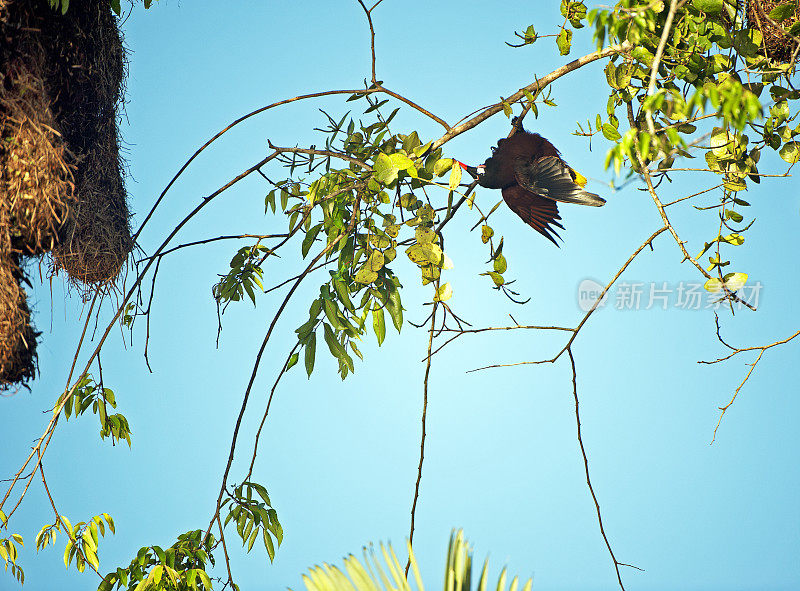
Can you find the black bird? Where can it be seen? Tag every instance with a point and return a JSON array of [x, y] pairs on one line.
[[534, 178]]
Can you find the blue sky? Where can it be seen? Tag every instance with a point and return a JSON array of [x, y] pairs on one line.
[[339, 458]]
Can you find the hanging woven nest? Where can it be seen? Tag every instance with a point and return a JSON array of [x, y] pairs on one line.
[[36, 187], [97, 239], [61, 175], [17, 335], [776, 43]]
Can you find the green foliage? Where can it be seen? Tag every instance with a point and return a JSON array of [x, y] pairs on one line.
[[254, 517], [783, 12], [180, 567], [245, 273], [82, 539], [699, 90], [8, 551], [85, 394], [378, 572]]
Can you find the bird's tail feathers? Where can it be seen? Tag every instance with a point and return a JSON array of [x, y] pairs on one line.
[[551, 177]]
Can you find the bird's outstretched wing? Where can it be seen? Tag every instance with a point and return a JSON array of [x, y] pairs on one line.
[[538, 212], [549, 177]]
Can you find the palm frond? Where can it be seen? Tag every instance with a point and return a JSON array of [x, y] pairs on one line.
[[381, 571]]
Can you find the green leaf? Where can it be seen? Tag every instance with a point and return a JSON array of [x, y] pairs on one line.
[[365, 275], [424, 235], [311, 235], [331, 312], [442, 166], [783, 12], [392, 230], [268, 545], [712, 6], [311, 346], [496, 277], [610, 132], [790, 152], [401, 161], [379, 241], [713, 285], [455, 176], [500, 264], [385, 170], [378, 323], [564, 41], [334, 346], [343, 293], [732, 215], [486, 233], [395, 308], [734, 239], [115, 6], [425, 254], [375, 261], [735, 281], [611, 77], [68, 554], [722, 142], [734, 183], [444, 293]]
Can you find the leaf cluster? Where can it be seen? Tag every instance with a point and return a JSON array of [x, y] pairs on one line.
[[85, 394], [181, 567], [254, 517], [9, 553]]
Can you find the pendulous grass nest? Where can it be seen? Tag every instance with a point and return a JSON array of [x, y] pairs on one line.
[[61, 175], [776, 43]]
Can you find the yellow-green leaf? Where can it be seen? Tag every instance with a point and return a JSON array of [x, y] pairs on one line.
[[379, 324], [365, 275], [442, 166], [564, 41], [790, 152], [455, 176], [401, 161], [444, 293], [735, 281], [425, 235]]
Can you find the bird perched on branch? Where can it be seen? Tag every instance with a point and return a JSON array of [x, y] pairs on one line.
[[534, 178]]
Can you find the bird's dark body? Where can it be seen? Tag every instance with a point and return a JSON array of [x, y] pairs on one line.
[[499, 171], [533, 178]]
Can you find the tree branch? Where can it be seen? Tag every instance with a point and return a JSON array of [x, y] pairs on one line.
[[533, 88]]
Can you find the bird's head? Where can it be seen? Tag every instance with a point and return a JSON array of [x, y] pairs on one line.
[[475, 171]]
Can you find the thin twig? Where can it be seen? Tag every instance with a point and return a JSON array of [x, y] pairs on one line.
[[230, 126], [330, 153], [594, 307], [266, 411], [586, 468], [424, 418], [261, 349], [371, 36], [735, 351], [535, 87]]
